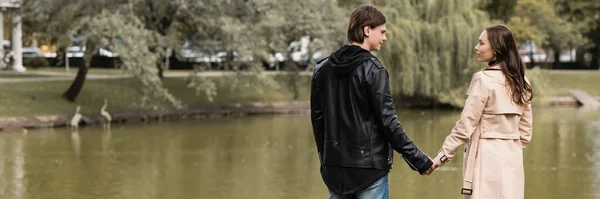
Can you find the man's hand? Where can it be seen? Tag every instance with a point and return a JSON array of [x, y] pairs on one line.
[[430, 170]]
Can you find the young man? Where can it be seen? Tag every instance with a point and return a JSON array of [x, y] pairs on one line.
[[353, 116]]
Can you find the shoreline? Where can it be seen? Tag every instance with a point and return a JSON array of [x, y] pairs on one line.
[[52, 121], [566, 101], [258, 108]]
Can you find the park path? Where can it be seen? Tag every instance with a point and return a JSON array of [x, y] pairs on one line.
[[59, 76]]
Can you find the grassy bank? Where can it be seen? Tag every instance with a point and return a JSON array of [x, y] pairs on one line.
[[73, 71], [561, 81], [19, 75], [44, 98]]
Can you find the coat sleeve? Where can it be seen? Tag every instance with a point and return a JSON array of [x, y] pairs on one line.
[[526, 125], [469, 119], [380, 99]]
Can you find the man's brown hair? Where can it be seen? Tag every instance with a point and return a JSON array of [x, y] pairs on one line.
[[364, 15]]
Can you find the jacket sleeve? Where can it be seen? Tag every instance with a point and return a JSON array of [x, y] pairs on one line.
[[383, 108], [466, 125], [316, 116]]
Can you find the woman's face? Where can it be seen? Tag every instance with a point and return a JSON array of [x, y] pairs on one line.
[[483, 50]]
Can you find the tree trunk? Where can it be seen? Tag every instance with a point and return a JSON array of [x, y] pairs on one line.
[[556, 63], [595, 55], [168, 54], [73, 91], [159, 62], [293, 73], [159, 65], [77, 84], [295, 78], [532, 60], [309, 61], [595, 37], [579, 56]]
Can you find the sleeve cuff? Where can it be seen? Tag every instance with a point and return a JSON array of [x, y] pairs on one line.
[[441, 158], [425, 166]]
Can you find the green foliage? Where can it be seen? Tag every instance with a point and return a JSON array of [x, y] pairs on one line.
[[429, 51], [499, 9], [523, 30], [349, 5], [35, 62], [40, 98], [261, 28], [539, 21], [540, 83], [131, 42], [203, 86], [52, 20], [585, 16]]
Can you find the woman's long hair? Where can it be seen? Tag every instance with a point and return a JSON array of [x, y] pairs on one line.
[[507, 56]]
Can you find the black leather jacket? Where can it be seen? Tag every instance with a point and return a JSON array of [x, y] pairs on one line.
[[353, 116]]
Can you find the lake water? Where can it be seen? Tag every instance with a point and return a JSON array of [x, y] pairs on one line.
[[270, 157]]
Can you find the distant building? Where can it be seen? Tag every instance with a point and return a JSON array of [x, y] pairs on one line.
[[13, 6]]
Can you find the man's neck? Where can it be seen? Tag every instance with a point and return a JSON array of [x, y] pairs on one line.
[[362, 45]]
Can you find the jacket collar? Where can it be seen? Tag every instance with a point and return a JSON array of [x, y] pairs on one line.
[[496, 67]]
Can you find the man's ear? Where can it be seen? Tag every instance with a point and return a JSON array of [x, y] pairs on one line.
[[366, 31]]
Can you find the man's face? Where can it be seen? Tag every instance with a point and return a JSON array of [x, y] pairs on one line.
[[375, 37]]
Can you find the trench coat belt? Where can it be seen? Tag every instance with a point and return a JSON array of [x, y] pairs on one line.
[[472, 153]]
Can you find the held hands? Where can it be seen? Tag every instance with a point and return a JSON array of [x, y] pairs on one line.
[[430, 170]]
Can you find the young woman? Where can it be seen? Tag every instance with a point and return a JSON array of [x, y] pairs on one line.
[[496, 122]]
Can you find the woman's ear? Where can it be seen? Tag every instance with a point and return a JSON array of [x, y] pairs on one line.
[[366, 31]]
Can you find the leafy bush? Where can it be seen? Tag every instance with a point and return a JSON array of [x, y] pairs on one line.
[[35, 62]]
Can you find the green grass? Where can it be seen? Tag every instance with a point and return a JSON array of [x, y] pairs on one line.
[[561, 81], [73, 70], [19, 75], [99, 71], [44, 98]]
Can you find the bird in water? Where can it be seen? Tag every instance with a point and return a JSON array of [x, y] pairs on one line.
[[106, 118], [76, 119]]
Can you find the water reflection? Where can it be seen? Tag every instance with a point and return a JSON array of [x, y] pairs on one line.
[[268, 157], [106, 136], [3, 176], [12, 168], [18, 169], [592, 133], [76, 144]]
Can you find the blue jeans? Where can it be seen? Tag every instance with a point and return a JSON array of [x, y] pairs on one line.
[[378, 190]]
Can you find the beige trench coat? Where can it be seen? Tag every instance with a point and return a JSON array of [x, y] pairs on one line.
[[495, 131]]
